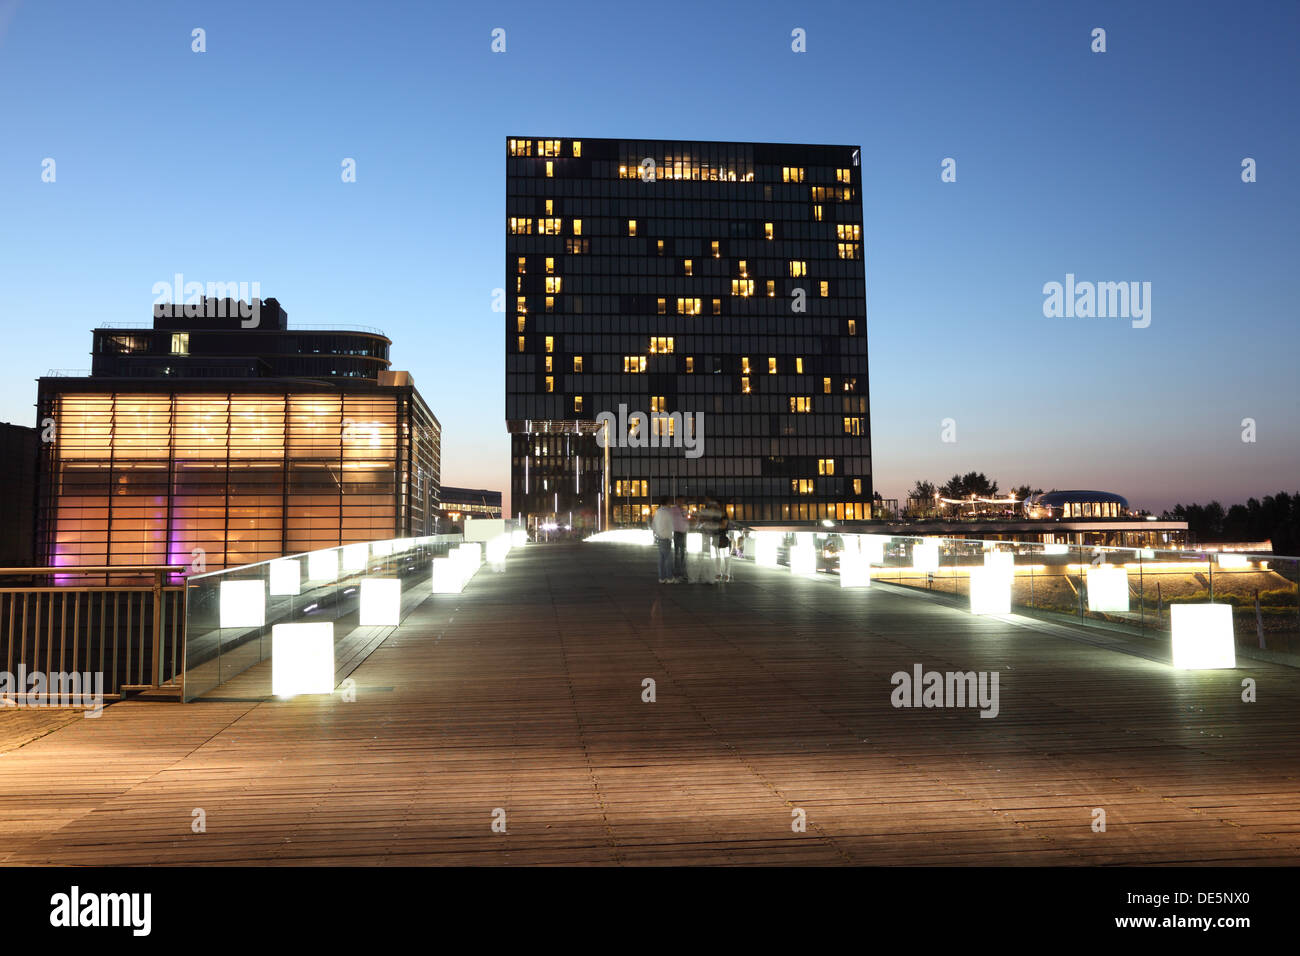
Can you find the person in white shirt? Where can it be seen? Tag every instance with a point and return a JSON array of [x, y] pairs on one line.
[[661, 525]]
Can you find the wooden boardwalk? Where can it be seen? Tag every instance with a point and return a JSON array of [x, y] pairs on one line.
[[772, 694]]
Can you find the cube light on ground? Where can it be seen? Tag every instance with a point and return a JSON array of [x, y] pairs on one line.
[[302, 659], [355, 557], [448, 576], [855, 570], [694, 542], [1233, 561], [766, 546], [925, 557], [873, 546], [1202, 636], [381, 602], [1107, 589], [243, 603], [1004, 561], [803, 559], [286, 577], [990, 591], [518, 537], [497, 549], [323, 565]]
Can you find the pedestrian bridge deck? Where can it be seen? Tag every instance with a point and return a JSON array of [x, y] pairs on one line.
[[772, 694]]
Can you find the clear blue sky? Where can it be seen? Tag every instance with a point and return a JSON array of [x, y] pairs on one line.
[[1117, 166]]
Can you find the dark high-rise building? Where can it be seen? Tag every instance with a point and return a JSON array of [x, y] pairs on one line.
[[236, 437], [718, 290]]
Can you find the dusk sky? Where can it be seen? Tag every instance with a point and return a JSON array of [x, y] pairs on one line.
[[1117, 166]]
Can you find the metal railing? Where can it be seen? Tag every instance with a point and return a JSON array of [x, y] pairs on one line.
[[132, 635]]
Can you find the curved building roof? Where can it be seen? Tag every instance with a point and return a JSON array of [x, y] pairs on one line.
[[1069, 497]]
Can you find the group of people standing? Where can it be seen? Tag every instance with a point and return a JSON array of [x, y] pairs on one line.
[[672, 521]]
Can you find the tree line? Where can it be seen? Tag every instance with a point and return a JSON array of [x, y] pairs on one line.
[[1275, 518]]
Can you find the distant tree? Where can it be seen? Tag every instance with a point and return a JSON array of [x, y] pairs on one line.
[[1275, 518], [971, 483], [1025, 491], [923, 489]]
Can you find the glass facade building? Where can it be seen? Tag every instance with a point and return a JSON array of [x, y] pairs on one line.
[[723, 282], [145, 467]]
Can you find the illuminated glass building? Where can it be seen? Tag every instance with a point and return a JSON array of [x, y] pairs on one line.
[[722, 279], [248, 443]]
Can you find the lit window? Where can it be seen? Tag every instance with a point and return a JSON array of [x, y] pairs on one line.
[[577, 403], [853, 426], [689, 266], [521, 226], [657, 403], [690, 363], [801, 486], [180, 343], [521, 343], [550, 265], [850, 385], [659, 247], [857, 486], [717, 306], [634, 363], [767, 231], [550, 383], [550, 168], [826, 386], [663, 306], [771, 288], [843, 176], [825, 466], [853, 327], [849, 250], [744, 269], [631, 227], [848, 231], [550, 343], [522, 266], [577, 363], [716, 250], [521, 147], [661, 345], [771, 365], [817, 213], [550, 367], [798, 366], [798, 267], [801, 404], [825, 288], [549, 227], [744, 386], [550, 303], [744, 364], [577, 148], [742, 286], [550, 207], [791, 174], [577, 227], [553, 283], [520, 323], [688, 307]]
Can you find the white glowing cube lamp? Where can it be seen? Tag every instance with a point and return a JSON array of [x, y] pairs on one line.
[[243, 603], [1233, 561], [925, 557], [855, 570], [694, 542], [473, 553], [803, 559], [518, 537], [286, 576], [381, 602], [1202, 636], [990, 591], [1107, 589], [497, 549], [302, 659], [355, 557], [323, 565], [448, 576], [1147, 554], [766, 547], [1004, 561], [873, 546]]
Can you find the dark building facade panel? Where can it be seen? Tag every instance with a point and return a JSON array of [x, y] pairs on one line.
[[725, 281]]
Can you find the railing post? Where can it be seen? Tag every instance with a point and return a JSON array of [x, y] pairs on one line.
[[157, 626]]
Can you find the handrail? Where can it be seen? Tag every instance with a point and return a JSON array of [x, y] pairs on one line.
[[98, 569]]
